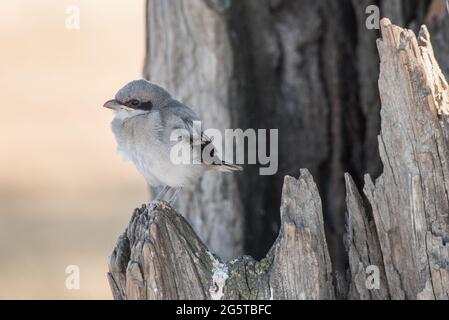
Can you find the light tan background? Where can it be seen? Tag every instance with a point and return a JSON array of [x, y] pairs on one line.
[[65, 194]]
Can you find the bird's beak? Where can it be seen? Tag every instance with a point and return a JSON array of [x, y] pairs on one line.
[[113, 104]]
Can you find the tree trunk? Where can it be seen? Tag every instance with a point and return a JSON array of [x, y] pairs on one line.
[[161, 257], [402, 228], [409, 202], [190, 53], [308, 68]]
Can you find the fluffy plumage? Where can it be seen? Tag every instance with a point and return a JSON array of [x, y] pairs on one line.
[[145, 116]]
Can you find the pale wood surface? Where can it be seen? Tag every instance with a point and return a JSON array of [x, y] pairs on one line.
[[409, 202], [161, 257], [401, 225]]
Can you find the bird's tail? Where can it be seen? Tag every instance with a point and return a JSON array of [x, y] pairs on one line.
[[227, 167]]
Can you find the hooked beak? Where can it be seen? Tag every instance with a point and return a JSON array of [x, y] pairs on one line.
[[112, 104], [115, 105]]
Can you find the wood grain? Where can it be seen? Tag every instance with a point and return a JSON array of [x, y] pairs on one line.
[[400, 223]]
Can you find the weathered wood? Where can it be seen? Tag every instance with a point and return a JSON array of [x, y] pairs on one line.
[[362, 246], [161, 257], [402, 227], [189, 52], [409, 201], [283, 64]]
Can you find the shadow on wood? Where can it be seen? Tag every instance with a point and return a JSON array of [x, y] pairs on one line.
[[401, 229], [407, 237], [161, 257]]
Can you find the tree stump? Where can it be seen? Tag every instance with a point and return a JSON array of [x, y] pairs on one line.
[[161, 257], [401, 227], [408, 235]]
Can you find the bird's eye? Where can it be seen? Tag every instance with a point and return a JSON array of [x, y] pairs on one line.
[[135, 102]]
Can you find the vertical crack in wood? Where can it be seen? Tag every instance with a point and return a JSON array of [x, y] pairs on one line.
[[402, 226], [409, 200], [167, 260]]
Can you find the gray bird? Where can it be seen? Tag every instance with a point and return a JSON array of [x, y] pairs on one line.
[[145, 117]]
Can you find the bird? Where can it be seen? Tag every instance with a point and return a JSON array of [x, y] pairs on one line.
[[145, 115]]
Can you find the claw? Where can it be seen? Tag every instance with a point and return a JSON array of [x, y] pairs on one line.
[[158, 205], [164, 205], [173, 197], [155, 205]]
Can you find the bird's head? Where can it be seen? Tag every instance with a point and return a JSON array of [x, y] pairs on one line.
[[139, 95]]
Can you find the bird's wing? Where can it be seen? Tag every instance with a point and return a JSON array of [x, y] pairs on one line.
[[179, 116]]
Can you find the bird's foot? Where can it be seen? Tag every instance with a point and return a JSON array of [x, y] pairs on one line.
[[173, 197], [154, 205], [157, 205]]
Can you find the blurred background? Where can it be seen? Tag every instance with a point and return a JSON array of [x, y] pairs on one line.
[[65, 194], [308, 68]]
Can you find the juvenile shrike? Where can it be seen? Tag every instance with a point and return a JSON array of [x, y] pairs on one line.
[[145, 117]]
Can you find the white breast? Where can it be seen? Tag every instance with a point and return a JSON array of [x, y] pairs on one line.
[[139, 140]]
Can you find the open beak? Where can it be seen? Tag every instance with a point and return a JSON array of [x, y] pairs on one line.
[[115, 105]]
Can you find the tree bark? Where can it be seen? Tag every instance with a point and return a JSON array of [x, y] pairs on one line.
[[409, 202], [308, 68], [401, 226], [161, 257], [189, 52]]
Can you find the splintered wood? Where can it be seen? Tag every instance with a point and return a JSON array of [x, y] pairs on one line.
[[400, 233]]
